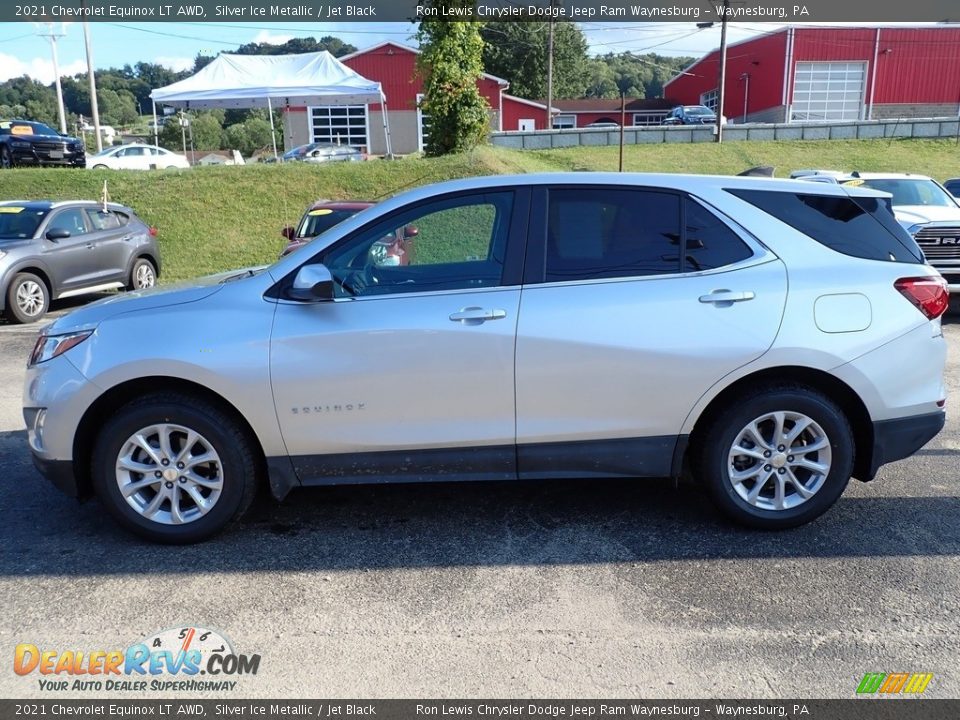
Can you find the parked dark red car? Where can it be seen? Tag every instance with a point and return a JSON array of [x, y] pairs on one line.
[[324, 214]]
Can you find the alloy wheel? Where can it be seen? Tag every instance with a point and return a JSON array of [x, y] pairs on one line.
[[144, 276], [779, 460], [169, 474], [30, 298]]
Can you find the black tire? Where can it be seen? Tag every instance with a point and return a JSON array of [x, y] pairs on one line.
[[240, 465], [15, 312], [6, 160], [100, 167], [132, 282], [711, 461]]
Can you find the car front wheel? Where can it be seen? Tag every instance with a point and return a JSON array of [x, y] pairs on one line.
[[174, 469], [27, 298], [778, 458]]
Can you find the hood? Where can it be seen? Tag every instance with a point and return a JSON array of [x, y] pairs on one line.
[[93, 314], [46, 137], [909, 215]]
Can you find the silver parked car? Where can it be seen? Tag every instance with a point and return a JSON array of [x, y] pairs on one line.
[[51, 250], [748, 330]]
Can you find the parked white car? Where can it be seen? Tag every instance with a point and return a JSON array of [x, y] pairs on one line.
[[136, 157]]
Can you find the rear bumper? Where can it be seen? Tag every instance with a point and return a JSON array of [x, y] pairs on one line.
[[901, 437]]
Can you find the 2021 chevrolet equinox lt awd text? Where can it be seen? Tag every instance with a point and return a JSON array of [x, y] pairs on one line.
[[773, 337]]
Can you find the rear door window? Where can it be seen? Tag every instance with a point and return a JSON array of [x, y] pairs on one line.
[[608, 233], [101, 220], [597, 233], [863, 227]]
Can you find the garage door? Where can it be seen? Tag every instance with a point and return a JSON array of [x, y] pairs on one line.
[[828, 91]]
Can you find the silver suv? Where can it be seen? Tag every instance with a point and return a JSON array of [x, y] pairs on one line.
[[772, 338], [51, 250]]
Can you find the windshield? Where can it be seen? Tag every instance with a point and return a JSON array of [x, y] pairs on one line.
[[25, 127], [320, 220], [19, 222], [698, 110], [912, 192], [105, 152]]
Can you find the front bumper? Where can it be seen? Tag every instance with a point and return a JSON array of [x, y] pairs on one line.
[[33, 156], [901, 437], [60, 473]]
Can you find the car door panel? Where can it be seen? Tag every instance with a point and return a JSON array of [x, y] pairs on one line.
[[644, 350], [413, 378], [394, 374], [609, 368], [72, 258], [113, 242]]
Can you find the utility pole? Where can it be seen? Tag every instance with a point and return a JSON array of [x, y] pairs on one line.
[[723, 70], [94, 107], [550, 71], [53, 36], [746, 93]]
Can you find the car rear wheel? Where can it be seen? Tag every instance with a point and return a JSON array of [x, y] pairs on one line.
[[27, 298], [778, 458], [174, 469], [143, 275]]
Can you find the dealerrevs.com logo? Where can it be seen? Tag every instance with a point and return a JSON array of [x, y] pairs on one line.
[[168, 661]]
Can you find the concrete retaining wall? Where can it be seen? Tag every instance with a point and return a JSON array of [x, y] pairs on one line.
[[544, 139]]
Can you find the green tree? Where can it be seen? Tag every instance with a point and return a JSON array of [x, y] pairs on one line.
[[206, 128], [249, 136], [451, 62], [518, 52]]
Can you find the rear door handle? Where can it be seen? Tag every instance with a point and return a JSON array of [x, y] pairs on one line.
[[477, 315], [727, 296], [89, 246], [127, 238]]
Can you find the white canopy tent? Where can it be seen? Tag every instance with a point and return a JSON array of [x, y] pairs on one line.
[[265, 81]]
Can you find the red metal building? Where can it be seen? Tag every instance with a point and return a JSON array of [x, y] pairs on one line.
[[394, 66], [798, 74]]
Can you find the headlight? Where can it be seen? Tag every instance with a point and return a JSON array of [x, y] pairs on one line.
[[914, 229], [49, 346]]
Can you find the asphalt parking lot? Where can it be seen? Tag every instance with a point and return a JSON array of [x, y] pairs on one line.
[[563, 589]]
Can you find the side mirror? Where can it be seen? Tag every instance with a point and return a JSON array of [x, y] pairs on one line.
[[55, 234], [313, 283], [287, 232], [410, 231]]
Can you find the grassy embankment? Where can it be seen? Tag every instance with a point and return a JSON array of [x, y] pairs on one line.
[[213, 219]]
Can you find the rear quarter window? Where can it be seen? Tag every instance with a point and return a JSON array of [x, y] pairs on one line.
[[861, 227]]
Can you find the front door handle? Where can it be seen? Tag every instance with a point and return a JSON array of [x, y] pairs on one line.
[[89, 246], [726, 297], [477, 315]]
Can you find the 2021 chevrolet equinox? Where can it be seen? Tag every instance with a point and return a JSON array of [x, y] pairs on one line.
[[773, 338]]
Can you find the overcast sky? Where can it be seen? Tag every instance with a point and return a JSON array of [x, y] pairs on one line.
[[175, 45]]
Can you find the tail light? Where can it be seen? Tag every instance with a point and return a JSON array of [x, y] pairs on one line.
[[152, 231], [928, 294]]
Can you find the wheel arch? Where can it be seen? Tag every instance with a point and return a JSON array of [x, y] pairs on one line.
[[846, 398], [117, 396], [145, 254], [34, 269]]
